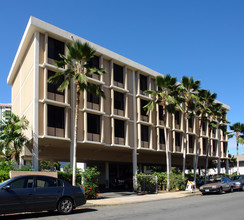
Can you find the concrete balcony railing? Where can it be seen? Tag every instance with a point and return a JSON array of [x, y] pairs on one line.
[[58, 132], [56, 97], [93, 106], [94, 137]]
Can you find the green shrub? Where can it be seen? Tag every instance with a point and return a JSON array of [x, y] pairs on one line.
[[68, 177], [90, 177], [4, 175], [146, 183]]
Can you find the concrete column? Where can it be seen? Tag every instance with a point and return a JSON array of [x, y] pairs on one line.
[[139, 135], [125, 77], [218, 166], [138, 82], [85, 126], [227, 166], [45, 83], [72, 111], [107, 174], [35, 151], [112, 72], [134, 156], [101, 66], [85, 99], [102, 129], [113, 133], [66, 113], [126, 133], [82, 166], [126, 105], [112, 101], [158, 138], [45, 119], [46, 49]]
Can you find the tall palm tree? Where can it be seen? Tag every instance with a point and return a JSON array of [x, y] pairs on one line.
[[165, 96], [77, 70], [238, 131], [204, 100], [188, 93], [215, 116], [12, 138]]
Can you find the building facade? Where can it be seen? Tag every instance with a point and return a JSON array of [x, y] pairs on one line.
[[4, 109], [115, 132]]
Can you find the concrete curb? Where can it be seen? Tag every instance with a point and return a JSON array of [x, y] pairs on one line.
[[139, 198]]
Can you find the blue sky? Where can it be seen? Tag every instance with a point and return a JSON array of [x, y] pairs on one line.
[[203, 39]]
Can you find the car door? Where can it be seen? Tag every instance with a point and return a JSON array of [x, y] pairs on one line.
[[47, 192], [17, 195]]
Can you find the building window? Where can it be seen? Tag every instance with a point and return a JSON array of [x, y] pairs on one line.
[[118, 73], [225, 149], [214, 131], [161, 136], [204, 126], [214, 147], [118, 100], [55, 117], [204, 143], [177, 118], [143, 110], [93, 123], [53, 87], [55, 47], [119, 128], [93, 98], [143, 83], [191, 143], [177, 139], [94, 62], [161, 113], [144, 133], [190, 123]]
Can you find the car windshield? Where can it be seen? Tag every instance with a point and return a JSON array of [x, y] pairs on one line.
[[3, 183], [215, 180]]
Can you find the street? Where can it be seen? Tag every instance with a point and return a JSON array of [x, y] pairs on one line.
[[214, 206]]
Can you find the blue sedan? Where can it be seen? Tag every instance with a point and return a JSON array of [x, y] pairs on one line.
[[38, 193]]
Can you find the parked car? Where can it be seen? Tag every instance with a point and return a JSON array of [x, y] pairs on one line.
[[38, 193], [218, 184], [238, 182]]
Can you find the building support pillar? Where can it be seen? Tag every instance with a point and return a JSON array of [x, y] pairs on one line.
[[107, 175], [227, 166], [218, 166]]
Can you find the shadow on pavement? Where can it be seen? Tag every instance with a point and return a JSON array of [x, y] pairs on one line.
[[44, 214]]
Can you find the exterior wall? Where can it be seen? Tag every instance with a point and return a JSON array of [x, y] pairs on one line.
[[105, 147]]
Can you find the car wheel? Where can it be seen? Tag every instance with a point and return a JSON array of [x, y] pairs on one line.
[[65, 206], [203, 193], [231, 189], [220, 190]]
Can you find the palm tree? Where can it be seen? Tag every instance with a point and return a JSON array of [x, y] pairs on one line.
[[238, 131], [215, 116], [165, 96], [12, 138], [78, 69], [188, 93], [204, 101]]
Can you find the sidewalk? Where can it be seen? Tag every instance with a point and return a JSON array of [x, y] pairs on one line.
[[127, 198]]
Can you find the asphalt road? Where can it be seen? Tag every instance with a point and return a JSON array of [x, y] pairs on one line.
[[225, 206]]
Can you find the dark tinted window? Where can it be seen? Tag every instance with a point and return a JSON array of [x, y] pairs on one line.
[[177, 139], [143, 111], [93, 123], [191, 141], [161, 116], [92, 98], [118, 73], [118, 100], [55, 117], [25, 182], [204, 126], [177, 117], [144, 133], [119, 128], [55, 47], [94, 62], [47, 182], [53, 87], [161, 136], [143, 83], [190, 122]]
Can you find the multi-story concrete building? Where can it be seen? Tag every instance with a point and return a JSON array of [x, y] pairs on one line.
[[4, 108], [113, 132]]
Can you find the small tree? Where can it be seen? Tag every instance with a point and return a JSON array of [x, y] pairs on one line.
[[12, 138], [238, 131]]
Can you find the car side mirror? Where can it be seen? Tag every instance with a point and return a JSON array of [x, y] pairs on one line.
[[7, 187]]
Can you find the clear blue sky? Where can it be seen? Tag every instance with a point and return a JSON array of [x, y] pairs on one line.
[[203, 39]]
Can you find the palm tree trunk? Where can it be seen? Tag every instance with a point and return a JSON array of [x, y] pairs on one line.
[[237, 152], [197, 153], [185, 146], [167, 148], [206, 165], [75, 132]]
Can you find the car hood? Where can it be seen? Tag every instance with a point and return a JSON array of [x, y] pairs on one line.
[[211, 184]]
